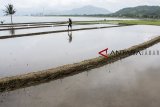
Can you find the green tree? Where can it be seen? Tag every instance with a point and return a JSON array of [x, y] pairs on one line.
[[10, 11]]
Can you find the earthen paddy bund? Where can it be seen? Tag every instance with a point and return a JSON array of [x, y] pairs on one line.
[[64, 69]]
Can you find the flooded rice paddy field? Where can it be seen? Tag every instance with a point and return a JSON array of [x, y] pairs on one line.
[[35, 53], [130, 82], [26, 19], [51, 28]]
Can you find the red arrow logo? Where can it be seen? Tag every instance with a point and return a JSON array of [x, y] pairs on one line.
[[105, 55]]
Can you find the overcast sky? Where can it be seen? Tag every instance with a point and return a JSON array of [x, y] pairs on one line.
[[111, 5]]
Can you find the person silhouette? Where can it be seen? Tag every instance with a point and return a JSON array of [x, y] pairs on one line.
[[70, 24]]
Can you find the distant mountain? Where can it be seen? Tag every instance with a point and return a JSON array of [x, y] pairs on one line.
[[86, 10], [139, 12]]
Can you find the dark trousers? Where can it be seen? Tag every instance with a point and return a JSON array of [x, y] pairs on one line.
[[70, 25]]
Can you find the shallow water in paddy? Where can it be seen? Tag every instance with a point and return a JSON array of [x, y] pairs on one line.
[[31, 54], [131, 82], [47, 29]]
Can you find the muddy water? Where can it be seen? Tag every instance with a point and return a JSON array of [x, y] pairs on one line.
[[131, 82], [31, 54]]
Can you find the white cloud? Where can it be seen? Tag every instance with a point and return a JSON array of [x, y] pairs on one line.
[[112, 5]]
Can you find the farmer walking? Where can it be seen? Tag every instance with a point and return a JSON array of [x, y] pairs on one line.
[[70, 24]]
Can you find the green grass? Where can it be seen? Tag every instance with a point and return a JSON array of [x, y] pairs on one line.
[[139, 22], [129, 22]]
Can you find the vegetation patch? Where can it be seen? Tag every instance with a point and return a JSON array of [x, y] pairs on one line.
[[124, 22]]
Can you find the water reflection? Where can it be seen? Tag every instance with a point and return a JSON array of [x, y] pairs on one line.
[[70, 36], [12, 31], [135, 80], [2, 22], [41, 49]]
